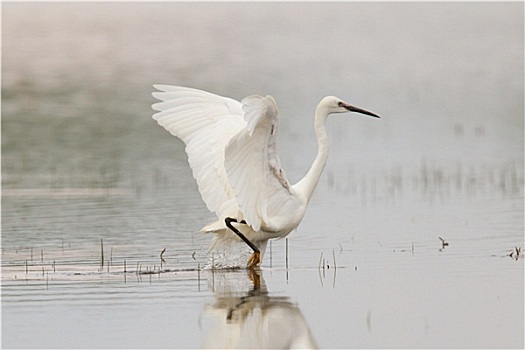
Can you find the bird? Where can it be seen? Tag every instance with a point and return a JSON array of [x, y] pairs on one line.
[[232, 152]]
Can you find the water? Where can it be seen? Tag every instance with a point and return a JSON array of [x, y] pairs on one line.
[[82, 161]]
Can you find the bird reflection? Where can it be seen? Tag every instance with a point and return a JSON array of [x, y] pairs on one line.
[[245, 316]]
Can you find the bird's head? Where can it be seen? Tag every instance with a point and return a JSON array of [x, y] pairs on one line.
[[332, 104]]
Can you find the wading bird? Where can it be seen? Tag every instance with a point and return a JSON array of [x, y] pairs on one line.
[[232, 152]]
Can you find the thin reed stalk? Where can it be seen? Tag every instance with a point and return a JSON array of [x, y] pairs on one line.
[[101, 252]]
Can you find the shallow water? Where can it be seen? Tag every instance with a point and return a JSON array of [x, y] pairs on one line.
[[84, 164]]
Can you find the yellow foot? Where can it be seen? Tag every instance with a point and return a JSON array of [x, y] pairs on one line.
[[254, 260]]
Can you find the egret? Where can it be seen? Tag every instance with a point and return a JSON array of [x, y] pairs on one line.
[[232, 151]]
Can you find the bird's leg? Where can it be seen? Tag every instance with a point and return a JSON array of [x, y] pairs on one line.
[[228, 222], [255, 259]]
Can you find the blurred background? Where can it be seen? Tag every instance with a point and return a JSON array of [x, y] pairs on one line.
[[447, 80], [76, 81]]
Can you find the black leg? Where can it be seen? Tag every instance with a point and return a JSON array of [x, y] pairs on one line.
[[228, 222]]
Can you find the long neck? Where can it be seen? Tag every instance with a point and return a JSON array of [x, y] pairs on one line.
[[308, 183]]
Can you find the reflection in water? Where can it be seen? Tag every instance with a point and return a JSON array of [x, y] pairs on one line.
[[246, 316]]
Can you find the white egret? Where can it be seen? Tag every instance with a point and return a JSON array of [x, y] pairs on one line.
[[232, 152]]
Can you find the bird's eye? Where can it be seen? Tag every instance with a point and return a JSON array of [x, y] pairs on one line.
[[340, 104]]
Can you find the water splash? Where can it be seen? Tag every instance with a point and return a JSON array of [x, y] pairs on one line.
[[228, 255]]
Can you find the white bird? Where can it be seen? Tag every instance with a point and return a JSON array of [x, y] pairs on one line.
[[232, 152]]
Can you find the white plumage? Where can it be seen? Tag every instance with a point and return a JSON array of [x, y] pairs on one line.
[[232, 152]]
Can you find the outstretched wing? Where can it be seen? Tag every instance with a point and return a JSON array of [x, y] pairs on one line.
[[205, 123], [254, 170]]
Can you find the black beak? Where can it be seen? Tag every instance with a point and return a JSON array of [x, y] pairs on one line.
[[360, 110], [357, 110]]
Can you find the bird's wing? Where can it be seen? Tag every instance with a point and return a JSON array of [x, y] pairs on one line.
[[205, 123], [254, 169]]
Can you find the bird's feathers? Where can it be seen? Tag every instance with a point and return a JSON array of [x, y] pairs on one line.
[[232, 151], [205, 123], [259, 109], [253, 167]]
